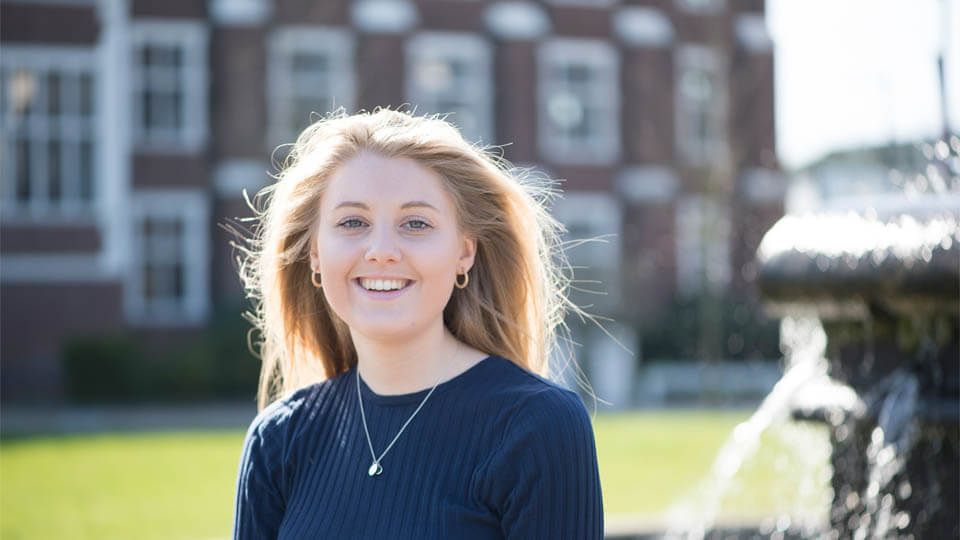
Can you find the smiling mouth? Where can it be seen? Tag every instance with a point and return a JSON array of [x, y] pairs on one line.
[[383, 284]]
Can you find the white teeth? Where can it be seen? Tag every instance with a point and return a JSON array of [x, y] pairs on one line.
[[382, 284]]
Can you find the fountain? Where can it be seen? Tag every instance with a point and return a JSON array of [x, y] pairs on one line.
[[869, 295], [884, 280]]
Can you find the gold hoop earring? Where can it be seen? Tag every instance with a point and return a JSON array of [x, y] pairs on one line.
[[466, 279], [313, 279]]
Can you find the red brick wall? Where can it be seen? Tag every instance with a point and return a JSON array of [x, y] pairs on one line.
[[380, 71], [170, 170], [515, 102], [49, 24], [37, 320], [49, 239], [648, 105], [238, 92], [649, 251]]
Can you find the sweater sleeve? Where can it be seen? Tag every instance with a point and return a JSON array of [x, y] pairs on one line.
[[543, 482], [260, 498]]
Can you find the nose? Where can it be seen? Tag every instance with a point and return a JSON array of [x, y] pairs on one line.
[[383, 246]]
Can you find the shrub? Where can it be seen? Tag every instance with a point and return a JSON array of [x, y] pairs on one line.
[[122, 368]]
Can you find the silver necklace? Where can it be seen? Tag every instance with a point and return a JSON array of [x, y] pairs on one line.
[[375, 468]]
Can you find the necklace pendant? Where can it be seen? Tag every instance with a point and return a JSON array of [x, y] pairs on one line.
[[375, 469]]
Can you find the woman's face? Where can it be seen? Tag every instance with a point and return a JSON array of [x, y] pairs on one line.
[[388, 246]]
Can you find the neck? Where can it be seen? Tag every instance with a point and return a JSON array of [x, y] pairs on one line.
[[408, 365]]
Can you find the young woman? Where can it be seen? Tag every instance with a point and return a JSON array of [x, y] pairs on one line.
[[408, 296]]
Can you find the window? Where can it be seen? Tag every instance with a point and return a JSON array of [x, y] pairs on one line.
[[450, 73], [703, 245], [579, 102], [168, 279], [592, 244], [701, 105], [169, 85], [48, 146], [310, 72]]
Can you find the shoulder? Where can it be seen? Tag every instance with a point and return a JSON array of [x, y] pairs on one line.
[[537, 407], [284, 419], [532, 393], [544, 457]]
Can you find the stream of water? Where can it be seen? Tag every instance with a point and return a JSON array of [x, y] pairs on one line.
[[803, 342]]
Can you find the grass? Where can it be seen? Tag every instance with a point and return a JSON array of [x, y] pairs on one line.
[[652, 462], [648, 460], [179, 485], [145, 486]]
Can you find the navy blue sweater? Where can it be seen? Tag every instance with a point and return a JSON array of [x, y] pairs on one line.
[[496, 452]]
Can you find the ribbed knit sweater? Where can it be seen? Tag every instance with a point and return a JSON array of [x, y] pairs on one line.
[[496, 452]]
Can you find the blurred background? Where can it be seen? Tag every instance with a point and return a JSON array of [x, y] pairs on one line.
[[682, 130]]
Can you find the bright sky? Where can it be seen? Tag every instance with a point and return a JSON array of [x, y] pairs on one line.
[[852, 73]]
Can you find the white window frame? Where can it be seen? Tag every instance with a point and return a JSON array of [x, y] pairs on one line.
[[191, 38], [694, 149], [282, 83], [191, 206], [474, 94], [40, 129], [703, 237], [604, 96]]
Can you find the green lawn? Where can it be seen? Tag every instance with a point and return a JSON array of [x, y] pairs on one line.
[[180, 485], [652, 461]]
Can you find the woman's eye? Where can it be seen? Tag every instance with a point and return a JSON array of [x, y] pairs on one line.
[[351, 223], [417, 225]]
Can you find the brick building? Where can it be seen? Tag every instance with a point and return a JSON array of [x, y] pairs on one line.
[[130, 128]]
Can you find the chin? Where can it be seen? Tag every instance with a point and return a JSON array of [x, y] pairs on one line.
[[394, 329]]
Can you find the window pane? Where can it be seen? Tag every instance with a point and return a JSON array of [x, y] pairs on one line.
[[162, 55], [85, 174], [159, 110], [146, 109], [302, 109], [566, 111], [146, 233], [149, 283], [161, 98], [175, 55], [178, 281], [24, 90], [447, 104], [163, 111], [585, 129], [164, 246], [165, 278], [4, 91], [696, 85], [303, 62], [53, 93], [176, 112], [23, 169], [53, 171], [163, 270], [702, 120], [86, 94], [435, 76], [578, 74]]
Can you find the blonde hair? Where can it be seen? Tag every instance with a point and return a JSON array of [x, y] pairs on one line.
[[514, 306]]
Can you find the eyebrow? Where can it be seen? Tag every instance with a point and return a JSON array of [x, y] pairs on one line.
[[404, 206]]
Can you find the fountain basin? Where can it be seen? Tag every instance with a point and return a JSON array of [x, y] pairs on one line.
[[884, 280]]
